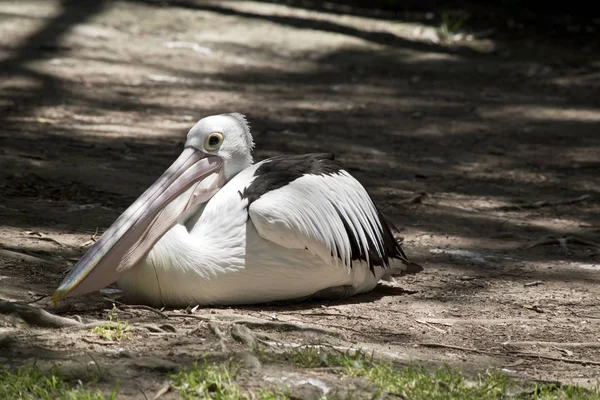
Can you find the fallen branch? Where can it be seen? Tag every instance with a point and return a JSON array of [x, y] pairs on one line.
[[36, 316]]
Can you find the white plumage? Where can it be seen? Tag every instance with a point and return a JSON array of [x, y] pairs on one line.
[[281, 247], [290, 227]]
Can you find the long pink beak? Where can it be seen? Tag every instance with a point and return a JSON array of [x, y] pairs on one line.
[[191, 180]]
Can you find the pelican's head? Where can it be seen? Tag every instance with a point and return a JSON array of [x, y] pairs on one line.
[[226, 136], [216, 149]]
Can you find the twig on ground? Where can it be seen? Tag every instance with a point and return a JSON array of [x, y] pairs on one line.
[[137, 307], [554, 344], [325, 314], [546, 203], [448, 346], [585, 315], [416, 199], [149, 327], [143, 393], [162, 391], [534, 283], [430, 325], [40, 297], [92, 240], [566, 360], [98, 342], [43, 236], [316, 323], [563, 242]]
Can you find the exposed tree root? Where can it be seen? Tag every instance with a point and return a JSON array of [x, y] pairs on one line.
[[257, 322], [36, 316]]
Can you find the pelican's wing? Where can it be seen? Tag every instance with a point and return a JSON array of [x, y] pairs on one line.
[[310, 202]]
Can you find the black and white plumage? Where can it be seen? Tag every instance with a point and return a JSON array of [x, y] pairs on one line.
[[286, 228], [331, 210]]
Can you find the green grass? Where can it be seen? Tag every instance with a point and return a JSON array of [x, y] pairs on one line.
[[203, 380], [217, 382], [417, 383], [449, 26], [114, 329], [30, 383], [207, 381], [276, 394], [312, 357]]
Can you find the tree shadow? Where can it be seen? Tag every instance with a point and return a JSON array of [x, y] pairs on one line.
[[382, 38], [43, 43]]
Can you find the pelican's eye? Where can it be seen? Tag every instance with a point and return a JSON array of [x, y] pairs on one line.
[[213, 141]]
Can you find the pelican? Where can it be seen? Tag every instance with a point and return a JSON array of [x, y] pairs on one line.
[[217, 229]]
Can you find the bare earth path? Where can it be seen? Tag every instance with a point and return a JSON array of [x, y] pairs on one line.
[[501, 138]]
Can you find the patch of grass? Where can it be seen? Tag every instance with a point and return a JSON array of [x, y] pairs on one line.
[[417, 383], [207, 381], [217, 382], [114, 329], [449, 26], [30, 383], [312, 357], [276, 394], [562, 392]]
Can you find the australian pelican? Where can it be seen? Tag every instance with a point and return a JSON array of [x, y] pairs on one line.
[[216, 229]]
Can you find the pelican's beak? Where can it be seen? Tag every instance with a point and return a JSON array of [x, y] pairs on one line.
[[191, 180]]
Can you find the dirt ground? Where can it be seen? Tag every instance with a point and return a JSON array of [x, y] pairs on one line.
[[479, 146]]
